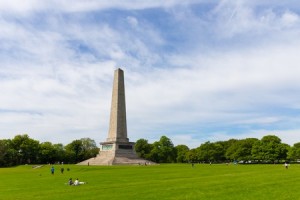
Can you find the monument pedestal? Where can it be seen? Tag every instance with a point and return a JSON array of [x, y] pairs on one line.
[[116, 153]]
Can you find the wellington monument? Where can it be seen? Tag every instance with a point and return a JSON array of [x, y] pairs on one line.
[[117, 149]]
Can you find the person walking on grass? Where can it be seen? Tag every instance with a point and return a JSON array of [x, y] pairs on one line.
[[52, 170]]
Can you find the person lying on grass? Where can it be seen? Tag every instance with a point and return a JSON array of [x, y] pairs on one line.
[[77, 182]]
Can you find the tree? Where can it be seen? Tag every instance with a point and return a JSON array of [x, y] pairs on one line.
[[27, 149], [210, 152], [142, 148], [154, 154], [220, 150], [89, 148], [232, 151], [8, 156], [163, 151], [74, 151], [283, 151], [245, 151], [269, 149], [80, 150], [192, 155], [294, 152], [168, 153], [241, 149], [3, 151], [181, 152], [60, 152], [47, 153]]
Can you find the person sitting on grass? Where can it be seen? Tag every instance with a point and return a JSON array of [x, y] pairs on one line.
[[76, 182], [70, 181]]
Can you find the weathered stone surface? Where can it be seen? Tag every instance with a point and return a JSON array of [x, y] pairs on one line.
[[118, 125], [117, 150]]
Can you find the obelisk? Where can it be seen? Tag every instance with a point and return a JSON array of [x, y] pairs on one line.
[[117, 140], [118, 126], [117, 149]]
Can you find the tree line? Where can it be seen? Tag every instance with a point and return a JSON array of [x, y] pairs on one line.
[[24, 150], [269, 149]]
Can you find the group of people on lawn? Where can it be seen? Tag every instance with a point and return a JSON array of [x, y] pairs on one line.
[[70, 182]]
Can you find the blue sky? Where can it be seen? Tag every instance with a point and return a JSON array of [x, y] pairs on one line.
[[195, 70]]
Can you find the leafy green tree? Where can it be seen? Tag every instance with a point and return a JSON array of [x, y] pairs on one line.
[[294, 152], [269, 148], [27, 149], [74, 151], [89, 148], [142, 148], [51, 153], [241, 149], [204, 152], [181, 152], [163, 151], [8, 156], [154, 154], [228, 143], [209, 152], [220, 150], [192, 155], [47, 153], [245, 151], [232, 151], [3, 151], [168, 153], [60, 152], [79, 150], [283, 150]]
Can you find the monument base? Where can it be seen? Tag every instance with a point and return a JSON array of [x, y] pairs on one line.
[[116, 153]]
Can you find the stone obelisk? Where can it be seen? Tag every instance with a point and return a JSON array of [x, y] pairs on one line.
[[117, 149], [118, 126], [117, 135]]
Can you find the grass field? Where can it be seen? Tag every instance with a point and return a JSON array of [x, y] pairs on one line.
[[167, 181]]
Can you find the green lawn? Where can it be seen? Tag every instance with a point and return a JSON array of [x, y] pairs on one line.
[[167, 181]]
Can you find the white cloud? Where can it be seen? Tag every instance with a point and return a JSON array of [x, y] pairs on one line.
[[17, 6], [132, 21], [86, 6], [185, 139], [243, 77], [236, 18], [290, 18]]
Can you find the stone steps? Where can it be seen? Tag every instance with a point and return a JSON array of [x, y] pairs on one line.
[[103, 159], [131, 161]]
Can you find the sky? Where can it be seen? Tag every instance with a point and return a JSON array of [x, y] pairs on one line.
[[195, 70]]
